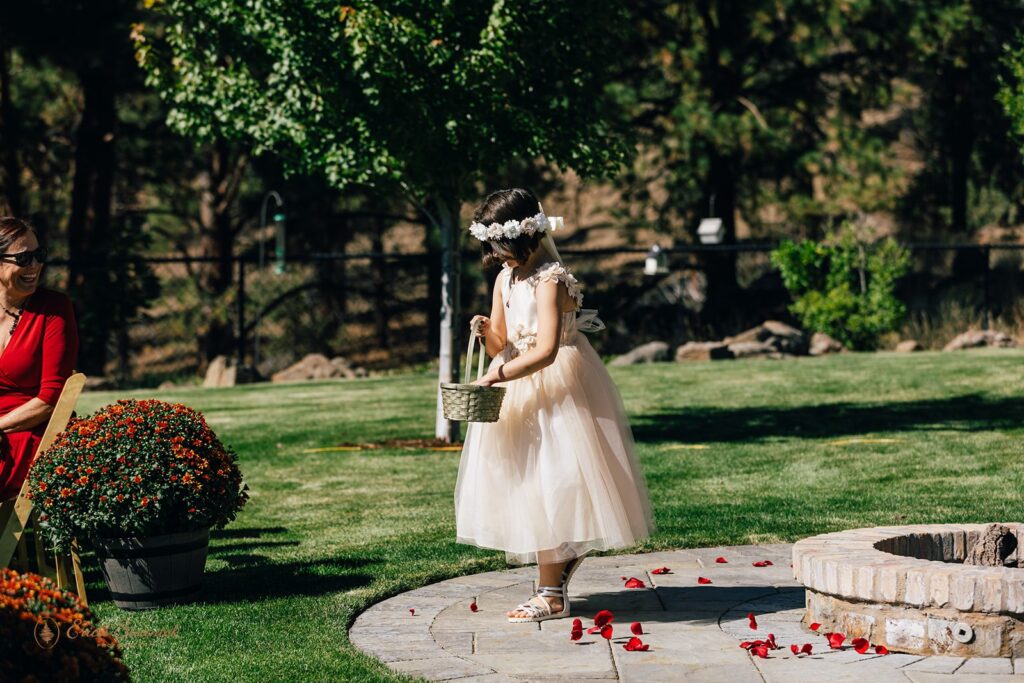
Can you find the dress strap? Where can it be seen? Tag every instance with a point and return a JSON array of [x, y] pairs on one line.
[[556, 271]]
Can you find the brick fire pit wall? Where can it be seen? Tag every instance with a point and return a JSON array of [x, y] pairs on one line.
[[906, 588]]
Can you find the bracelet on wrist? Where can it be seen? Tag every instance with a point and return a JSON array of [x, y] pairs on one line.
[[501, 372]]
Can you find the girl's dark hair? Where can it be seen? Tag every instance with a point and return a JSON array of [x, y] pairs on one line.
[[11, 228], [508, 205]]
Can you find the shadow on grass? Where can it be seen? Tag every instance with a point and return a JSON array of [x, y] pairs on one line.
[[964, 413], [252, 578]]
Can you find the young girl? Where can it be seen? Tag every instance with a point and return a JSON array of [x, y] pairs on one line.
[[556, 476]]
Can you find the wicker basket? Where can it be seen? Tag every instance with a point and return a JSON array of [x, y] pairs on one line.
[[471, 402]]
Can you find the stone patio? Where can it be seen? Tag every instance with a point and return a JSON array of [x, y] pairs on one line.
[[693, 630]]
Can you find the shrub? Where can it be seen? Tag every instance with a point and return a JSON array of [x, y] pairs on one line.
[[844, 286], [135, 468], [31, 604]]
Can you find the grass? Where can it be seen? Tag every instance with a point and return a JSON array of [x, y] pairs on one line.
[[734, 452]]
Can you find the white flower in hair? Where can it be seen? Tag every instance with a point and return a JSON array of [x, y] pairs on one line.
[[513, 229]]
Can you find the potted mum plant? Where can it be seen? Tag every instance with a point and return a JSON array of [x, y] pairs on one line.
[[143, 482]]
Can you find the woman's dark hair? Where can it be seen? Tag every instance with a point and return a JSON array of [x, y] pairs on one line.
[[508, 205], [11, 228]]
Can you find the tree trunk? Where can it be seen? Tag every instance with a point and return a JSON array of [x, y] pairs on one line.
[[720, 266], [381, 290], [9, 136], [448, 216], [89, 223]]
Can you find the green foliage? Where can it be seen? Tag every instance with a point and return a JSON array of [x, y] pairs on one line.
[[414, 93], [844, 286], [1011, 95]]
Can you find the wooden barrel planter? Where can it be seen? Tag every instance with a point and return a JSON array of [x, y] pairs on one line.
[[146, 573]]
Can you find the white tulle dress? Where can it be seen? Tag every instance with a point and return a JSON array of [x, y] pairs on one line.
[[558, 471]]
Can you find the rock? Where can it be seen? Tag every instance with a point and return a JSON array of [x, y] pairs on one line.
[[754, 349], [691, 351], [977, 338], [166, 385], [908, 346], [99, 384], [822, 344], [781, 337], [219, 373], [651, 352], [318, 366], [993, 548]]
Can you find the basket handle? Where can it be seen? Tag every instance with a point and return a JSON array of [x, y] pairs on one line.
[[473, 340]]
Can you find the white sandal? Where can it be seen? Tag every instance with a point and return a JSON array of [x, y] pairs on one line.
[[537, 613]]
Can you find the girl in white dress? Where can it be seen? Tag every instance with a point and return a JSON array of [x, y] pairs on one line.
[[556, 476]]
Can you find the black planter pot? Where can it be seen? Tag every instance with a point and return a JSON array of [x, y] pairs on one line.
[[146, 573]]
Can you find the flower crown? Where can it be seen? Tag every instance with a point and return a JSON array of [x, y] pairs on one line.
[[513, 229]]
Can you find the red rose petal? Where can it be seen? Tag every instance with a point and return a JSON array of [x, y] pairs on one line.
[[835, 640], [721, 560], [806, 649], [606, 631], [593, 629], [815, 626], [752, 621], [770, 642], [412, 612], [636, 645], [881, 650], [634, 582], [760, 651], [703, 580], [861, 645], [763, 563], [746, 644], [636, 628], [577, 630], [473, 607], [603, 617], [661, 570], [794, 649]]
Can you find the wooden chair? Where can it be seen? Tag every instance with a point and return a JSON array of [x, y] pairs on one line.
[[17, 513]]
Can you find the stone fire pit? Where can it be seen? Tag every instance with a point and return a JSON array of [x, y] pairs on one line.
[[906, 588]]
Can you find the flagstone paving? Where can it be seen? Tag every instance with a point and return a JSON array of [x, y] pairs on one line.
[[693, 630]]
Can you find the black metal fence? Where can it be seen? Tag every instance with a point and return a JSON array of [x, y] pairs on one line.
[[625, 262]]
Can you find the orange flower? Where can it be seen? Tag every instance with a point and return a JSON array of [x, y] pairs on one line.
[[65, 492], [60, 469]]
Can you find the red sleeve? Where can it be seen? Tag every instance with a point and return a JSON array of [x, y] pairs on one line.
[[60, 350]]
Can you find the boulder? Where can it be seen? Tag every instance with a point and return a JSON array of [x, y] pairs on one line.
[[318, 366], [754, 349], [977, 338], [651, 352], [219, 373], [908, 346], [692, 351], [822, 344], [781, 337]]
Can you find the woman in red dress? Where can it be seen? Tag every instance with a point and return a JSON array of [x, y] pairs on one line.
[[38, 350]]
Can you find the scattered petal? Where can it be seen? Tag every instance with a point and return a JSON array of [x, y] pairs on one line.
[[770, 642], [795, 649], [636, 645], [881, 650], [721, 560], [577, 630], [603, 617], [606, 631], [636, 628], [634, 582], [815, 626], [806, 649], [746, 644], [835, 640], [593, 629], [473, 607], [412, 611], [763, 563], [703, 580], [861, 645], [760, 651], [661, 570], [752, 621]]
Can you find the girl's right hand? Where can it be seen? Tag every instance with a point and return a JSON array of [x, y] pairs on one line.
[[480, 324]]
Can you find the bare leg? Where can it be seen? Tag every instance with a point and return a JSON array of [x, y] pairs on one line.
[[550, 574]]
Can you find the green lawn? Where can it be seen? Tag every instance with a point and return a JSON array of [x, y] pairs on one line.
[[734, 452]]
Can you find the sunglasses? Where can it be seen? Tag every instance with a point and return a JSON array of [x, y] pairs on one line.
[[24, 258]]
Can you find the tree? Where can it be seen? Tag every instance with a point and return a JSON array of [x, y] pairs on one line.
[[1011, 92], [757, 106], [411, 96]]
